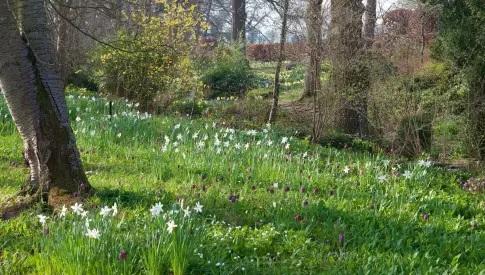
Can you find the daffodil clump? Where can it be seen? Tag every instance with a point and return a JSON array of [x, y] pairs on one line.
[[76, 241]]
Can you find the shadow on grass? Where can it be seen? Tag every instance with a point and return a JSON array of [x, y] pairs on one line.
[[132, 199]]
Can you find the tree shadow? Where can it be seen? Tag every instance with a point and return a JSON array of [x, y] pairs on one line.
[[142, 198]]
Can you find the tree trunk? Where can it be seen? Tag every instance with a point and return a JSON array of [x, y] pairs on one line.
[[276, 90], [63, 40], [208, 17], [239, 22], [33, 89], [370, 23], [348, 77], [314, 23]]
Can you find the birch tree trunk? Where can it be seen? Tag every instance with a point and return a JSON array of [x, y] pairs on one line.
[[33, 89]]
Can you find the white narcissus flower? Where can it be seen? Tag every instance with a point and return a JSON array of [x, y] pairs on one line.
[[77, 208], [198, 207], [382, 178], [63, 211], [186, 212], [84, 214], [156, 209], [42, 219], [407, 174], [87, 222], [171, 225], [347, 169], [105, 211], [114, 209], [284, 140], [93, 233]]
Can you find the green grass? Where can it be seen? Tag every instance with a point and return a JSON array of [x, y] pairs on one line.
[[291, 80], [248, 222]]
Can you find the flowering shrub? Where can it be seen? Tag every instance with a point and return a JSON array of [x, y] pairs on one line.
[[154, 60]]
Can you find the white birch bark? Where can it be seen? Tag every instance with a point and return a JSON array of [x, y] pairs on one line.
[[17, 84], [32, 86]]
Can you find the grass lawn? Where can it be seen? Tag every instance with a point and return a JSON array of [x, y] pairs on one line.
[[195, 197]]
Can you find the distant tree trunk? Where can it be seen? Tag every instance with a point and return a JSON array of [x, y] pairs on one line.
[[239, 22], [348, 78], [370, 22], [62, 49], [276, 90], [314, 22], [208, 16], [33, 89]]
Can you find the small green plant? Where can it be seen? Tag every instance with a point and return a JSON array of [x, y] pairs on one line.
[[188, 107], [227, 73]]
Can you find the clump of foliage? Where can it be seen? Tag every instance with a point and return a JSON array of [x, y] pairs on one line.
[[405, 109], [227, 73], [461, 40], [154, 61], [188, 107]]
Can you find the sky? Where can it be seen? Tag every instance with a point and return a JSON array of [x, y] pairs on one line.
[[270, 27]]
